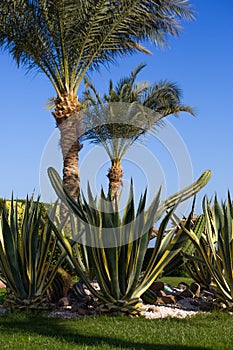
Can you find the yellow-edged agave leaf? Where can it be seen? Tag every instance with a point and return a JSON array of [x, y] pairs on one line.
[[215, 247], [24, 259], [117, 244]]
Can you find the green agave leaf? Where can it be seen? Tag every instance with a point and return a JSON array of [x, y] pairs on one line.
[[24, 251], [118, 267]]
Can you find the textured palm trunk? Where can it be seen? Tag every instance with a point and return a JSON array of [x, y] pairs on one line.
[[68, 119], [70, 146], [115, 175]]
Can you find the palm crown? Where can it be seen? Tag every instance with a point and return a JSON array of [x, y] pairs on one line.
[[66, 38], [128, 110]]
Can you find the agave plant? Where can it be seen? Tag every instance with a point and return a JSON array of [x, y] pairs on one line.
[[184, 258], [26, 255], [196, 266], [116, 245], [215, 246]]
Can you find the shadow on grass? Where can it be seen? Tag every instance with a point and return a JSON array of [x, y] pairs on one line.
[[73, 332]]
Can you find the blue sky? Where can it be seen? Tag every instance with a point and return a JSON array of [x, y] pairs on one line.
[[200, 61]]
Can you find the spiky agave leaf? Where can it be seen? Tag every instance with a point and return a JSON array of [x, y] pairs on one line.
[[24, 260], [117, 245], [215, 246]]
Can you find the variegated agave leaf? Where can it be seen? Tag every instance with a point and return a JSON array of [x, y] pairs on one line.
[[25, 261], [116, 244]]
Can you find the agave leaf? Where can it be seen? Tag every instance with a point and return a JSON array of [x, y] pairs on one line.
[[24, 251], [118, 266]]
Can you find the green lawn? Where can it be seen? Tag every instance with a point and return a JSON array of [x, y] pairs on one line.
[[174, 281], [209, 331], [205, 331]]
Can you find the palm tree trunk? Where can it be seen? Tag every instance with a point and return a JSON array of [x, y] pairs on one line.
[[68, 119], [70, 146], [115, 175]]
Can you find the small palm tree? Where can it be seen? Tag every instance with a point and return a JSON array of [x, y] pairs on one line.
[[66, 38], [128, 110]]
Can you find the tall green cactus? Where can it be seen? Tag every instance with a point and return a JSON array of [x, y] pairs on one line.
[[116, 245]]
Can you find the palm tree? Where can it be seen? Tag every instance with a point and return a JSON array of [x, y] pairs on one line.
[[124, 113], [66, 38]]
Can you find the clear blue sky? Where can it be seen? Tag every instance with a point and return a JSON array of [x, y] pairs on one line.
[[200, 61]]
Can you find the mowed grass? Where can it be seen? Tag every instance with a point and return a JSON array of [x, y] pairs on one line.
[[205, 331], [174, 281]]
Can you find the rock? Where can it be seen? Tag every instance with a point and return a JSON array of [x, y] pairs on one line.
[[6, 305], [209, 294], [187, 293], [77, 306], [182, 286], [195, 288], [152, 308], [83, 312], [80, 308], [168, 299], [157, 286], [186, 304], [161, 293], [206, 305], [63, 301]]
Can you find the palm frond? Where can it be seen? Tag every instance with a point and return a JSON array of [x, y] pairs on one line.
[[128, 110], [66, 38]]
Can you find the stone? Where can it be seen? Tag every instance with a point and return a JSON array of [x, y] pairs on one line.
[[161, 293], [157, 286], [63, 301], [77, 306], [168, 299], [83, 312], [187, 293], [6, 305], [206, 305], [182, 286], [152, 308], [208, 294], [195, 288], [80, 308]]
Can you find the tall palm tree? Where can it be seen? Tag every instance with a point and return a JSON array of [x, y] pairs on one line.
[[128, 110], [66, 38]]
